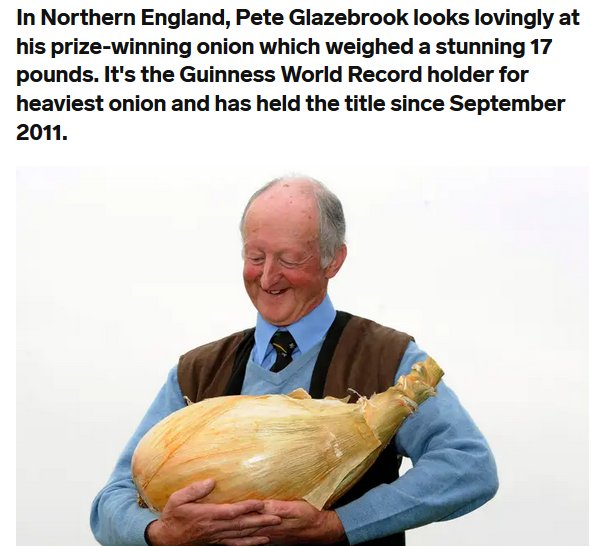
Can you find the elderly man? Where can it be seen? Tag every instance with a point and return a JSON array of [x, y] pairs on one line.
[[293, 233]]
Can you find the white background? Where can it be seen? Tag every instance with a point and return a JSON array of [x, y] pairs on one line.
[[469, 232], [120, 271]]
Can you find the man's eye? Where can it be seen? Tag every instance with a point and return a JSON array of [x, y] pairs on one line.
[[287, 263], [255, 259]]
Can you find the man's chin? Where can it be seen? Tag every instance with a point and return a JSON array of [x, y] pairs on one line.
[[277, 321], [272, 316]]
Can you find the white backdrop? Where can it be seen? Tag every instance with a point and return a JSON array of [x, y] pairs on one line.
[[121, 270]]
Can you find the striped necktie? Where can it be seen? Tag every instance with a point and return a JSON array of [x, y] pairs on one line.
[[284, 345]]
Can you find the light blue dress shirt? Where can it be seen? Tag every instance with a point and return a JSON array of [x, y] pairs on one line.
[[453, 469], [307, 332]]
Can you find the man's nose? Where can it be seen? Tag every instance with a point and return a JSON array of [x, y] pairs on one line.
[[271, 274]]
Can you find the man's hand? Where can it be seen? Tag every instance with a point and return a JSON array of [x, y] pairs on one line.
[[301, 523], [185, 522]]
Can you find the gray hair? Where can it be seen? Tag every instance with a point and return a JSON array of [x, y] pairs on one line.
[[331, 228]]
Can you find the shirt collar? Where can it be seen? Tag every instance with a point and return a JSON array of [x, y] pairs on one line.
[[307, 332]]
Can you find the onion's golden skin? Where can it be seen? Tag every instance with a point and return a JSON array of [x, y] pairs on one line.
[[285, 447]]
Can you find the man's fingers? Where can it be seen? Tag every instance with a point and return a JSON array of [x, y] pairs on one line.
[[231, 511], [245, 541], [244, 526], [192, 492], [253, 522], [279, 508]]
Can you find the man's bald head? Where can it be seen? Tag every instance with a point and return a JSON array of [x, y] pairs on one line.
[[331, 219]]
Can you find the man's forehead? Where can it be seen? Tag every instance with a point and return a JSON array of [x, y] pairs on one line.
[[286, 237], [275, 230], [285, 204]]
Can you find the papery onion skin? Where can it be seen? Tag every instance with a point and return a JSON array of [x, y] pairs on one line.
[[285, 447]]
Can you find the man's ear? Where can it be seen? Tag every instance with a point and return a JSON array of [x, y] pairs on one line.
[[337, 262]]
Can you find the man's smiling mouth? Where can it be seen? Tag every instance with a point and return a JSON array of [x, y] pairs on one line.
[[276, 292]]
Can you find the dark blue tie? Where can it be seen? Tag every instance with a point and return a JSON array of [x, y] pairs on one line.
[[284, 345]]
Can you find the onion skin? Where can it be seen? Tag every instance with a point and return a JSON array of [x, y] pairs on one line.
[[285, 447]]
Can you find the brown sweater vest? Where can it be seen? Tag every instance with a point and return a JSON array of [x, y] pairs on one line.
[[357, 354]]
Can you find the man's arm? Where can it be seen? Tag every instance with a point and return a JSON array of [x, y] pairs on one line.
[[453, 471], [116, 519]]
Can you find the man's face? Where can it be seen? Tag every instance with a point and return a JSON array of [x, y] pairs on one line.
[[282, 272]]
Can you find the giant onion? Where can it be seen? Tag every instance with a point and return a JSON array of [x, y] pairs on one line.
[[286, 447]]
